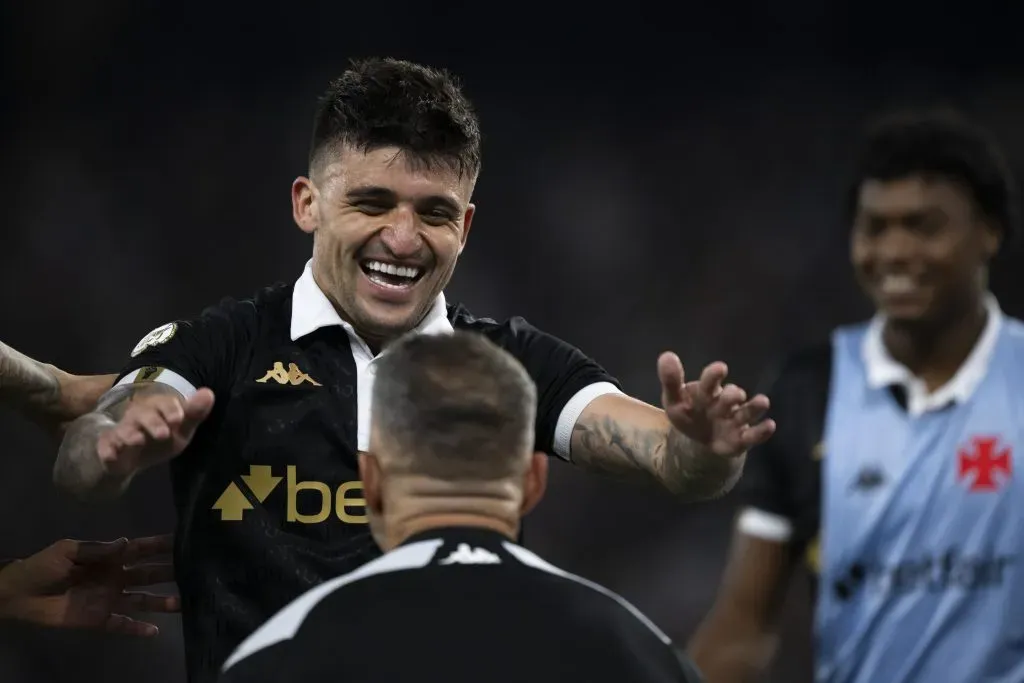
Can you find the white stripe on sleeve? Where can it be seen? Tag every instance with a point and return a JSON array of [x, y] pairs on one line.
[[574, 407], [764, 525], [168, 377]]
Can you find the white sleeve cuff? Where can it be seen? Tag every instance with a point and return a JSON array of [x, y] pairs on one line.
[[764, 525], [163, 376], [574, 407]]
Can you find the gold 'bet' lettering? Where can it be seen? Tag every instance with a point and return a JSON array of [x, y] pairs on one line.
[[348, 503]]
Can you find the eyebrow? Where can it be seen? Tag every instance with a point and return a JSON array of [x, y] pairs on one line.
[[386, 194], [370, 192]]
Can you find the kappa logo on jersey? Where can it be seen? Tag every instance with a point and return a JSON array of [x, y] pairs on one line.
[[466, 555], [868, 479], [292, 375], [984, 464], [160, 335], [317, 500]]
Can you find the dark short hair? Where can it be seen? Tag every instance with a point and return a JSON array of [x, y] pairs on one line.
[[454, 406], [940, 143], [379, 103]]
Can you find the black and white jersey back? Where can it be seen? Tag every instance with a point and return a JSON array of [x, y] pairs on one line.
[[268, 497], [459, 605]]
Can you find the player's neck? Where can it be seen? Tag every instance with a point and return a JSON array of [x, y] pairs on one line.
[[398, 534], [415, 504], [935, 353]]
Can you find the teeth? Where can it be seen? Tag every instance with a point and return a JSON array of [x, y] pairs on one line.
[[897, 284], [410, 272]]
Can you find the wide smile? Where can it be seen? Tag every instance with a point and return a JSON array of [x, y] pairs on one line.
[[900, 287], [897, 285], [392, 276]]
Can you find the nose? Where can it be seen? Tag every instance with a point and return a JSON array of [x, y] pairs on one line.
[[895, 245], [401, 235]]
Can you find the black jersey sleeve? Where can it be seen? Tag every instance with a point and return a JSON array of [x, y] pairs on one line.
[[560, 371], [782, 476], [203, 351], [763, 485]]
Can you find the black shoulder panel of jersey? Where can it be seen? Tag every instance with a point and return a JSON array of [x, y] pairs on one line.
[[558, 368], [783, 476], [206, 349]]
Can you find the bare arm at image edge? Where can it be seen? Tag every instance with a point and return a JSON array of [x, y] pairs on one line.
[[45, 394]]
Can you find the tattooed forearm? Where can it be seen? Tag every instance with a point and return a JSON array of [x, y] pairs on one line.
[[607, 447], [694, 473], [79, 469], [611, 447], [26, 383], [45, 394]]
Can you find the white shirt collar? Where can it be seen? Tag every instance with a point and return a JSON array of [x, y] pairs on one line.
[[311, 310], [883, 370]]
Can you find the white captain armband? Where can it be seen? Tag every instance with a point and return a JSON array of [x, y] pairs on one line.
[[163, 376], [764, 525], [574, 407]]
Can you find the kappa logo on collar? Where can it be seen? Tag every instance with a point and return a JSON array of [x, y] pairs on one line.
[[160, 335]]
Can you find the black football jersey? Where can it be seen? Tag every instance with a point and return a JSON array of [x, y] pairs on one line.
[[268, 497]]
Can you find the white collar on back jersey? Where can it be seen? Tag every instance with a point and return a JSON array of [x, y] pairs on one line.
[[311, 310], [883, 370]]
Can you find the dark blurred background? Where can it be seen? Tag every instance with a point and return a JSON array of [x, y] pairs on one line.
[[655, 176]]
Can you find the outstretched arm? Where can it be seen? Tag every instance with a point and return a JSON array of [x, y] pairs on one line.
[[695, 447], [134, 426], [45, 394], [625, 438]]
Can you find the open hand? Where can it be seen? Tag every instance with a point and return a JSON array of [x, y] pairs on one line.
[[154, 427], [720, 418], [82, 584]]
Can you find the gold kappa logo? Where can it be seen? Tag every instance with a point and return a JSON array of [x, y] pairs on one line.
[[318, 498], [292, 375]]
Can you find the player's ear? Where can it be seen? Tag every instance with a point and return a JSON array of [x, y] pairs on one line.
[[991, 241], [535, 482], [304, 199], [370, 474], [467, 223]]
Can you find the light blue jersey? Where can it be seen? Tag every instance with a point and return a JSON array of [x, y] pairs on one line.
[[922, 536]]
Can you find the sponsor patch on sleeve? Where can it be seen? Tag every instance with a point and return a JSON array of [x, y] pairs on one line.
[[160, 335], [147, 374]]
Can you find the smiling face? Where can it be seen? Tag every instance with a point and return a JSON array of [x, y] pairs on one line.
[[388, 232], [920, 248]]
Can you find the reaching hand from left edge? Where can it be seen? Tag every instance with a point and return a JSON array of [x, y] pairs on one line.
[[82, 584]]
